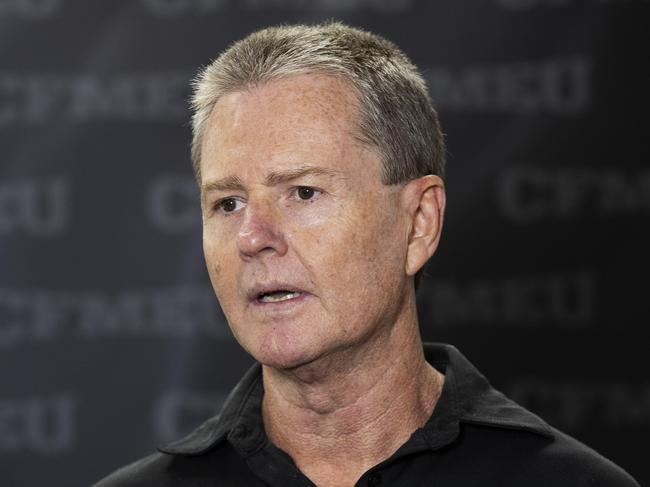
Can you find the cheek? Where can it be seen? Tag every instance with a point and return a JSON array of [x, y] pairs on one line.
[[219, 266], [212, 260], [359, 248], [379, 248]]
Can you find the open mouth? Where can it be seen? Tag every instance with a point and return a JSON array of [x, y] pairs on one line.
[[277, 296]]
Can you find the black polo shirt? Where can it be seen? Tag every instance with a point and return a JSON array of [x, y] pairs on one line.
[[475, 437]]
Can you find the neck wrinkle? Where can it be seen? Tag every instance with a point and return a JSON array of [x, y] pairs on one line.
[[358, 415]]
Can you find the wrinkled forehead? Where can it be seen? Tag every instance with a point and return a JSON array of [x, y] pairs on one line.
[[292, 120], [305, 101]]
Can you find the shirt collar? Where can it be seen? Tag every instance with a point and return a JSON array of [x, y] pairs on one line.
[[467, 397], [242, 407]]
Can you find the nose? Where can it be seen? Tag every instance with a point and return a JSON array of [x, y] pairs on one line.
[[260, 232]]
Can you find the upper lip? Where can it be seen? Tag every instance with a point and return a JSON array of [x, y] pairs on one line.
[[269, 287]]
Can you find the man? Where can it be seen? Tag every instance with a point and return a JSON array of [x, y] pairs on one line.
[[320, 160]]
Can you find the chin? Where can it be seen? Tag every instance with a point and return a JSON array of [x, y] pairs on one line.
[[283, 358], [283, 354]]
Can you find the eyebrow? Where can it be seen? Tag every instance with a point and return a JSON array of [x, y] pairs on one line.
[[279, 177], [233, 183]]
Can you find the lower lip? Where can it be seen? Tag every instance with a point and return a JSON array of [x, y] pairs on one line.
[[286, 304]]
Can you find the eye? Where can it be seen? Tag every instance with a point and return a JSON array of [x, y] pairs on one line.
[[229, 205], [306, 192]]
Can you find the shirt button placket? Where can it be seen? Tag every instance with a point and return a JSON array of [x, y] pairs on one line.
[[374, 480]]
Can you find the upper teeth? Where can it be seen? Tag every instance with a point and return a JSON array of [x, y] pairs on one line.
[[278, 296]]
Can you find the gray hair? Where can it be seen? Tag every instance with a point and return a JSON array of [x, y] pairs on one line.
[[396, 113]]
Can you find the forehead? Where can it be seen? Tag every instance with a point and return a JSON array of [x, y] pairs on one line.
[[294, 120]]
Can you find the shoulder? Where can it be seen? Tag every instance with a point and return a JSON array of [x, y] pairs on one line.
[[148, 471], [514, 456], [219, 462], [504, 440], [582, 466]]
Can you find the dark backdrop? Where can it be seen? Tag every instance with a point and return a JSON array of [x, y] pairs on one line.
[[111, 340]]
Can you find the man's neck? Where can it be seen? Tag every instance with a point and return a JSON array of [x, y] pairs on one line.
[[340, 417]]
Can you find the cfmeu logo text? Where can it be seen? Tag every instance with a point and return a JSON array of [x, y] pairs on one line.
[[556, 86], [529, 194], [40, 424], [173, 8], [38, 98], [35, 207]]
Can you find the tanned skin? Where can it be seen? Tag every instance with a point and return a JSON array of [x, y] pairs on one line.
[[293, 200]]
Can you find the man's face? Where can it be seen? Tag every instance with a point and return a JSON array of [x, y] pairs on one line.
[[304, 245]]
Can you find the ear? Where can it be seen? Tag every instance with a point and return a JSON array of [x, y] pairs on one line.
[[424, 200]]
